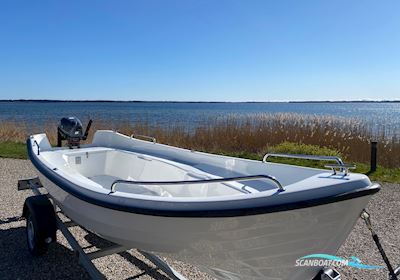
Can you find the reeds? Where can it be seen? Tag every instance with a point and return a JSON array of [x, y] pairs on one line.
[[255, 133]]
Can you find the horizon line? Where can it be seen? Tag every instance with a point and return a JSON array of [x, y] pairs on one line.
[[175, 101]]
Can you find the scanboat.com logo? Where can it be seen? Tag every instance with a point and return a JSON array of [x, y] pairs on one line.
[[330, 260]]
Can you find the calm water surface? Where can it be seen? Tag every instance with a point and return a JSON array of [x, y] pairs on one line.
[[189, 114]]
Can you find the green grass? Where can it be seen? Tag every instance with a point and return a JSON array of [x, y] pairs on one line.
[[303, 149], [382, 174], [13, 150]]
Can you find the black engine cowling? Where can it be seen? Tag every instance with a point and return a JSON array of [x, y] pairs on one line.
[[71, 129]]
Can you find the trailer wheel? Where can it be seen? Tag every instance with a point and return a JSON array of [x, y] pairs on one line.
[[40, 224], [36, 245]]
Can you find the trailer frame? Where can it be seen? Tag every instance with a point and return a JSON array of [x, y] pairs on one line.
[[85, 259]]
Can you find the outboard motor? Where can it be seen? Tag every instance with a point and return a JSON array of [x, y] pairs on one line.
[[70, 129]]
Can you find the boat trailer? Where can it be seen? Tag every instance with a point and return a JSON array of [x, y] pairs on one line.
[[43, 219]]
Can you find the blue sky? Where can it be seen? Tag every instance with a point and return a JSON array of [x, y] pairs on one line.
[[200, 50]]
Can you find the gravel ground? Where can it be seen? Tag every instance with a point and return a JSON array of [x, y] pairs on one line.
[[61, 262]]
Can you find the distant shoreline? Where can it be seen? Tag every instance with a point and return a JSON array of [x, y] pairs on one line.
[[210, 102]]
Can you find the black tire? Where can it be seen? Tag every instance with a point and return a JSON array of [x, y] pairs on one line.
[[41, 223], [36, 242]]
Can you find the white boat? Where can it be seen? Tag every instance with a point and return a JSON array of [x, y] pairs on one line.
[[233, 218]]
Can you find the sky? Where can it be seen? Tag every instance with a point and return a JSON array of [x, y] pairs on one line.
[[203, 50]]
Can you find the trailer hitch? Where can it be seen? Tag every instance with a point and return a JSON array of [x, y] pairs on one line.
[[393, 273]]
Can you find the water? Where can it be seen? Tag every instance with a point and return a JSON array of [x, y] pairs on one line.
[[378, 115]]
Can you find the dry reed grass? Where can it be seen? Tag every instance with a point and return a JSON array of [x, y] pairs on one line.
[[254, 134]]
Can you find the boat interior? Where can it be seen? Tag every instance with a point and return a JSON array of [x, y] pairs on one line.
[[113, 161], [101, 167]]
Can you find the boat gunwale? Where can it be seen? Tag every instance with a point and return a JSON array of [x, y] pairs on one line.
[[203, 209]]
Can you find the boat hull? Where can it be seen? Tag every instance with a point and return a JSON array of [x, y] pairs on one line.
[[262, 246]]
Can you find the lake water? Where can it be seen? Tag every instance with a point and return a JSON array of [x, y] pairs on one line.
[[189, 114]]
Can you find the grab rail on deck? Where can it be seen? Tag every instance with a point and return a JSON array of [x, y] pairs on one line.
[[152, 139], [312, 157], [192, 182], [343, 167]]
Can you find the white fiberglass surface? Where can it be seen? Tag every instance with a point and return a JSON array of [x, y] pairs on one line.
[[102, 166], [113, 156]]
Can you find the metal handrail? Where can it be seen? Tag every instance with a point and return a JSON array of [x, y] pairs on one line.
[[152, 139], [343, 167], [192, 182], [312, 157]]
